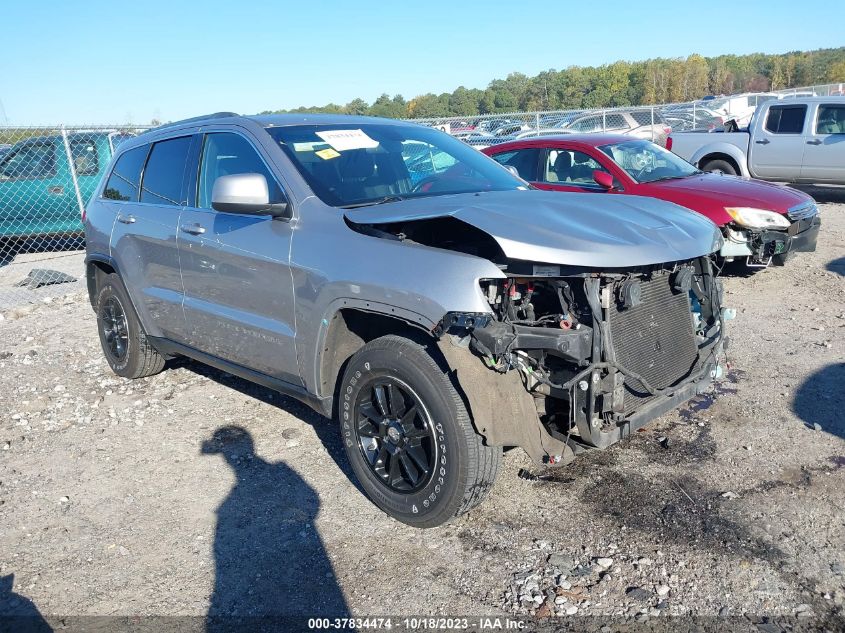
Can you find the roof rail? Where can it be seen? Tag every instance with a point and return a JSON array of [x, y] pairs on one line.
[[195, 119]]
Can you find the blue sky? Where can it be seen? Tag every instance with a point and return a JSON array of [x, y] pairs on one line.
[[110, 62]]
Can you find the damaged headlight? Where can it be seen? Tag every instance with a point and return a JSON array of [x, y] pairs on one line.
[[758, 218]]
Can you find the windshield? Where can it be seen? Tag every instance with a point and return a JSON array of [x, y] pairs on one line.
[[367, 163], [646, 162]]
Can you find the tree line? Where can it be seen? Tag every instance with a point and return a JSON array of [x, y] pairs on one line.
[[621, 83]]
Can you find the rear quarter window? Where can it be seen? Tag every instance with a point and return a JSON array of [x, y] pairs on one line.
[[124, 180], [786, 119], [165, 172]]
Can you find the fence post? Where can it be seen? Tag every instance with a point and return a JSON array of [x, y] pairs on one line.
[[652, 124], [694, 119], [537, 121], [604, 120], [69, 155]]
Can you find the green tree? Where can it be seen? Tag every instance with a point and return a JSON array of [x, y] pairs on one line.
[[621, 83]]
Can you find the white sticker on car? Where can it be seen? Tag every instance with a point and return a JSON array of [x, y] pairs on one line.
[[543, 270], [343, 140]]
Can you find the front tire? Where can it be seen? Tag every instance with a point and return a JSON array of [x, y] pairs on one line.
[[409, 437], [719, 167], [122, 338]]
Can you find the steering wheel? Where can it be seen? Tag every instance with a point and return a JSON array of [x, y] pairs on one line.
[[640, 163], [428, 180]]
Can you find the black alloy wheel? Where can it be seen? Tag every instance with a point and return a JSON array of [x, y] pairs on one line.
[[115, 328], [395, 434]]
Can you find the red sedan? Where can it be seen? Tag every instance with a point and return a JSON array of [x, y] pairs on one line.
[[762, 222]]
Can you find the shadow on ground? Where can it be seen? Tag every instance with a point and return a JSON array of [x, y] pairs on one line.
[[326, 429], [820, 400], [10, 248], [17, 613], [832, 194], [270, 562], [837, 266]]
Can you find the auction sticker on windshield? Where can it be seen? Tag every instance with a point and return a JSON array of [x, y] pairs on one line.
[[327, 153], [343, 140]]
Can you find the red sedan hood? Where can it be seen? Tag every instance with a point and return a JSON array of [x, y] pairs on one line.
[[709, 194]]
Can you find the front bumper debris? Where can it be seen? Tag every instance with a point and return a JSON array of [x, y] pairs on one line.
[[765, 247]]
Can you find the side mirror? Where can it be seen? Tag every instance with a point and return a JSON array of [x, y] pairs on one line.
[[603, 179], [247, 194], [512, 170]]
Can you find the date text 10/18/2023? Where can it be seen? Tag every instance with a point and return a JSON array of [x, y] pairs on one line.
[[418, 623]]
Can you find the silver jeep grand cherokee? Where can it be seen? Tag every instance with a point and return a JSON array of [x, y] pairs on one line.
[[403, 283]]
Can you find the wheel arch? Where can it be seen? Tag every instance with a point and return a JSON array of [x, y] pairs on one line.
[[351, 327], [725, 152], [97, 267]]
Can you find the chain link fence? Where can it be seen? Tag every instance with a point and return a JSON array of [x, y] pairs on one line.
[[48, 174], [653, 123]]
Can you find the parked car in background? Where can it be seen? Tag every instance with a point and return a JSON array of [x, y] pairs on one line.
[[686, 118], [4, 149], [788, 140], [762, 223], [552, 131], [38, 198], [740, 107], [646, 124], [438, 318]]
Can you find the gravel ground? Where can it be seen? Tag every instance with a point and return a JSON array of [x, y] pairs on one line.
[[194, 493]]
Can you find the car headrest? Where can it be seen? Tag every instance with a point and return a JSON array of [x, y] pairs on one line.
[[563, 161]]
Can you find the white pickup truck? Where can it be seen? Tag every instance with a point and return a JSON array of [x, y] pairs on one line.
[[790, 140]]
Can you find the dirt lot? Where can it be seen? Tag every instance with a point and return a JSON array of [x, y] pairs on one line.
[[193, 492]]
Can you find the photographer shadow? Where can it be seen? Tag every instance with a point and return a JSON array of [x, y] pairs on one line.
[[18, 613], [270, 562]]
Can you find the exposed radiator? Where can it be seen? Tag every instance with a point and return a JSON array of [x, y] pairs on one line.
[[654, 339]]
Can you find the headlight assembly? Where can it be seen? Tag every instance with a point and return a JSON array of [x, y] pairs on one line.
[[758, 218]]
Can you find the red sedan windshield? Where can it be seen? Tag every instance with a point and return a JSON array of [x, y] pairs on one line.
[[646, 162]]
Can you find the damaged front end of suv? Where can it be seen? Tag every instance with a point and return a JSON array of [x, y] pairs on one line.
[[578, 350]]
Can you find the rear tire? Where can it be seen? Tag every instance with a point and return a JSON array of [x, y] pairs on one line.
[[409, 437], [124, 341], [719, 166]]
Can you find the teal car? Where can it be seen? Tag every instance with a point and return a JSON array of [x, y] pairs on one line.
[[38, 199]]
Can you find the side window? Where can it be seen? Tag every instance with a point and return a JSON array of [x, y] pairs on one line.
[[83, 151], [643, 117], [225, 154], [525, 161], [589, 124], [125, 178], [786, 119], [30, 162], [165, 172], [570, 167], [831, 119], [615, 122]]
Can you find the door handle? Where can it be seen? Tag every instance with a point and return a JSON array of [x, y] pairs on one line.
[[126, 219], [815, 141], [193, 229], [55, 190], [765, 141]]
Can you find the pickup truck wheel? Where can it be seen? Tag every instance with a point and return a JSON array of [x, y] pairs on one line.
[[408, 435], [719, 167], [123, 339]]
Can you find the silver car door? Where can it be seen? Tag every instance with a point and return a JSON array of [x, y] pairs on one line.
[[824, 153], [235, 268], [777, 147], [143, 241]]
